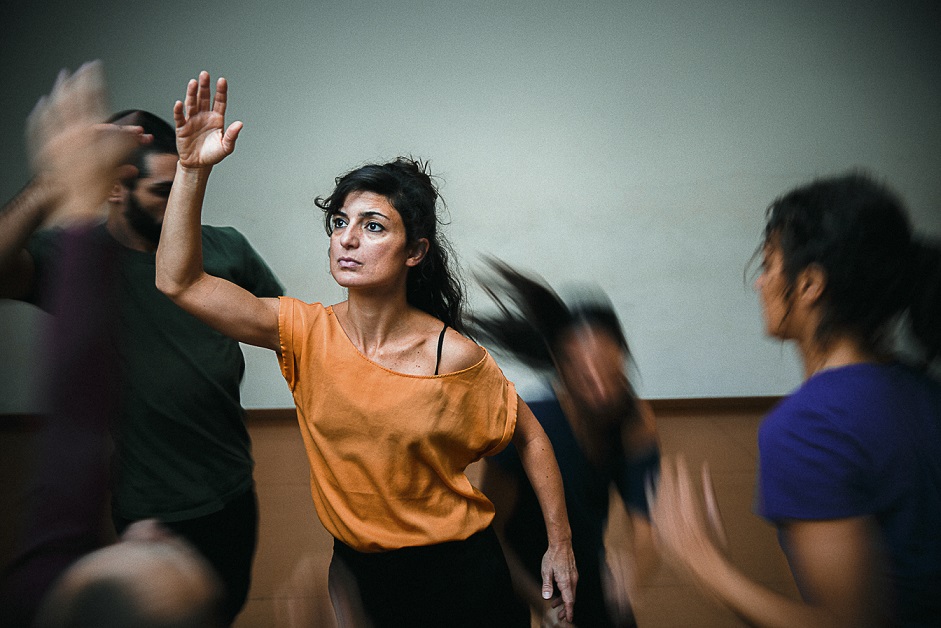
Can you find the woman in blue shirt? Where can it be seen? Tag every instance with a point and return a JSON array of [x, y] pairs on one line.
[[850, 463]]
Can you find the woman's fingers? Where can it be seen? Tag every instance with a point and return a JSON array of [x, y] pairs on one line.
[[222, 89], [231, 134], [179, 115], [189, 102], [203, 93]]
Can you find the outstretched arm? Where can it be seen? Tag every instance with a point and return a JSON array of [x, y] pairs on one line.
[[203, 141], [835, 562], [558, 564]]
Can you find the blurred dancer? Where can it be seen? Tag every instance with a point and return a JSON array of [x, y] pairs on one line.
[[850, 463], [183, 454], [150, 578], [75, 159], [602, 435], [393, 401]]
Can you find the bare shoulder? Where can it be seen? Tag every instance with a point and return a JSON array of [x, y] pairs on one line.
[[458, 353]]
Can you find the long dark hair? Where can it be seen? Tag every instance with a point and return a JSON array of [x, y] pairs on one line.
[[533, 319], [532, 323], [858, 232], [433, 286]]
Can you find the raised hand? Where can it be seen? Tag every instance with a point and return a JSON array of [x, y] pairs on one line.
[[71, 151], [201, 136]]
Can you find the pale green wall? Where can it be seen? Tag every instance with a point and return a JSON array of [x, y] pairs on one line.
[[632, 144]]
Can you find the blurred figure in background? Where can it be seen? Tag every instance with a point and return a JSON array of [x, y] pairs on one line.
[[182, 451], [603, 437], [75, 160], [150, 579], [850, 463]]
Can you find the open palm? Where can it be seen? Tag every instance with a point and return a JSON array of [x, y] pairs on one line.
[[202, 139]]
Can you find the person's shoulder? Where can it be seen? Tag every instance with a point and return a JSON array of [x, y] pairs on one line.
[[228, 235], [458, 352]]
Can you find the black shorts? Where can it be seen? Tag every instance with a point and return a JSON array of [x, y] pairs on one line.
[[458, 583]]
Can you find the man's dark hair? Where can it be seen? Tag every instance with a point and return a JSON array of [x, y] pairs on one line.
[[164, 141]]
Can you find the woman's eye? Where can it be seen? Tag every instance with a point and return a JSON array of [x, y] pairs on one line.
[[338, 222], [375, 227]]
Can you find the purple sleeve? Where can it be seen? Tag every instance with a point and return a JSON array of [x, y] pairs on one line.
[[809, 467], [62, 517]]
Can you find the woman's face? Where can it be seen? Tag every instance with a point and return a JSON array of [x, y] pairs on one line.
[[590, 363], [771, 286], [368, 247]]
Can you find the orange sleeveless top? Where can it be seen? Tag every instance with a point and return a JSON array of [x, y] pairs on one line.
[[388, 450]]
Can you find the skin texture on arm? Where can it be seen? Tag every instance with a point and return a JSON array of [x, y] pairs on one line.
[[538, 461], [219, 303], [835, 562]]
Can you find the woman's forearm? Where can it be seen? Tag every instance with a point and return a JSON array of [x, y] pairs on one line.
[[539, 462], [538, 459], [180, 252]]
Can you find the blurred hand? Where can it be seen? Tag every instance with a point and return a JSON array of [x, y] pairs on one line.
[[72, 151], [688, 534], [551, 615], [200, 121], [616, 581]]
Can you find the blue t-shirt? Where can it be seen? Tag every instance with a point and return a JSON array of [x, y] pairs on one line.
[[864, 440]]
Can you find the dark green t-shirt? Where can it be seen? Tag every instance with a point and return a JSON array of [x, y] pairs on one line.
[[181, 446]]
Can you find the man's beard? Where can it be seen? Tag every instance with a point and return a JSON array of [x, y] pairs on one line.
[[140, 221]]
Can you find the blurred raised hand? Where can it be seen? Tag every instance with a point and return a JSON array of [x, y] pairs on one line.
[[688, 528], [72, 151], [202, 138]]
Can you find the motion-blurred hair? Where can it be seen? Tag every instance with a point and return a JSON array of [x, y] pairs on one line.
[[878, 273]]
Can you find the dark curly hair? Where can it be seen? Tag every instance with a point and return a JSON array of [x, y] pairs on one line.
[[434, 286], [858, 232]]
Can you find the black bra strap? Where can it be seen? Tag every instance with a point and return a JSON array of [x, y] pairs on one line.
[[440, 344]]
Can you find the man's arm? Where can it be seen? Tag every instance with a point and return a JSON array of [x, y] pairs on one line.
[[75, 160], [19, 218]]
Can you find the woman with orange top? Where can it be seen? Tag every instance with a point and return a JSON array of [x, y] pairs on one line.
[[393, 402]]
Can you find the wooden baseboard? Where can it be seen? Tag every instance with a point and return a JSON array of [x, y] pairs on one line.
[[715, 405], [687, 406]]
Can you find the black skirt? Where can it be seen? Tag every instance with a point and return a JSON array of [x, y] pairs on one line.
[[458, 583]]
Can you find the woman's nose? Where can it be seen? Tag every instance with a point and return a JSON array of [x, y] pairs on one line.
[[348, 238]]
